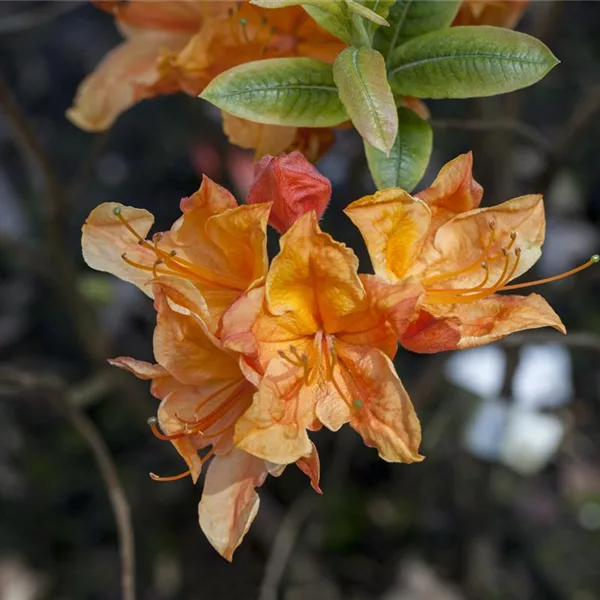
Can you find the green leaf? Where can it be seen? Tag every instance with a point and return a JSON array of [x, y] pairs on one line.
[[299, 92], [365, 12], [360, 76], [468, 62], [411, 18], [409, 156], [336, 23]]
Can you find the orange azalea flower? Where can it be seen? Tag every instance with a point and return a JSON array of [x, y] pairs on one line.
[[203, 393], [182, 45], [319, 353], [499, 13], [293, 185], [211, 255], [462, 256]]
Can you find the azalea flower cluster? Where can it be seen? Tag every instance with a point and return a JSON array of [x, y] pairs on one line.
[[252, 356]]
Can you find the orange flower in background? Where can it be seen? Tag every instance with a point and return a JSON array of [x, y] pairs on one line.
[[499, 13], [203, 393], [182, 45], [462, 255], [319, 354], [211, 255], [293, 185]]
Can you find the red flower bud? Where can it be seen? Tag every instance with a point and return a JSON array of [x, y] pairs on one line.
[[293, 185]]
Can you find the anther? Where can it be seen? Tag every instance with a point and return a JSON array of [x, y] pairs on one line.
[[518, 251], [504, 251], [116, 211], [152, 421], [484, 265], [492, 224], [513, 235], [595, 258]]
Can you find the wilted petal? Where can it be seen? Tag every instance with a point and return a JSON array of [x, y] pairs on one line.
[[293, 185], [382, 412], [454, 188], [394, 225], [314, 278], [229, 501], [105, 239], [480, 322]]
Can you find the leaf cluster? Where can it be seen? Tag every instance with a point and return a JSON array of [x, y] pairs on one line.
[[397, 50]]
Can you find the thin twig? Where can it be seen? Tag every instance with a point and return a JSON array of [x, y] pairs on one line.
[[37, 16], [523, 130], [67, 401], [54, 210]]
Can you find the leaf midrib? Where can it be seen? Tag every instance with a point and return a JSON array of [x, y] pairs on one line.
[[435, 59], [276, 87]]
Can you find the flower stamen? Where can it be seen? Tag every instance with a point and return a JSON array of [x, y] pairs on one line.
[[171, 478]]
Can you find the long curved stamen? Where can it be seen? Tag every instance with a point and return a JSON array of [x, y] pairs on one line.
[[595, 259], [153, 422], [480, 286], [171, 478], [471, 266]]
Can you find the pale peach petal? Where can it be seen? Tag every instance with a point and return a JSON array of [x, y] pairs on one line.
[[237, 325], [311, 466], [382, 412], [274, 427], [394, 225], [462, 241], [184, 297], [115, 84], [229, 501], [482, 322], [265, 139], [454, 188], [184, 346], [314, 278], [140, 368], [105, 239], [417, 106]]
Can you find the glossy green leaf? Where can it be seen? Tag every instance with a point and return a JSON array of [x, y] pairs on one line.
[[467, 62], [411, 18], [409, 156], [360, 76], [298, 92]]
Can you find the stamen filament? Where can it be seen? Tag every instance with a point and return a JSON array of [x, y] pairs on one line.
[[593, 260], [171, 478]]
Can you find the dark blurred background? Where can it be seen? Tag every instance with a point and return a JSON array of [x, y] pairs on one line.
[[507, 504]]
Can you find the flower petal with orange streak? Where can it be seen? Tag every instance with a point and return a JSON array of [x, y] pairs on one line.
[[311, 467], [185, 348], [382, 411], [229, 501], [314, 278], [393, 224], [265, 139], [274, 427], [114, 86], [237, 326], [104, 240], [454, 188], [485, 321], [163, 382], [462, 240]]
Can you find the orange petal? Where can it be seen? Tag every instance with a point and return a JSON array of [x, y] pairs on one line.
[[462, 240], [237, 326], [274, 427], [393, 224], [265, 139], [448, 327], [162, 382], [417, 106], [184, 346], [229, 501], [454, 188], [311, 466], [399, 302], [117, 82], [498, 13], [382, 412], [105, 239], [314, 278], [293, 185], [312, 142]]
